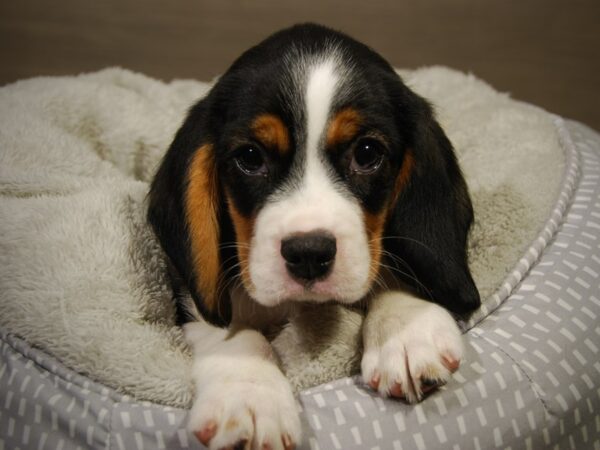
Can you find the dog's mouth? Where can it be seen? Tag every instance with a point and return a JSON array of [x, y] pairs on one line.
[[285, 288], [314, 290]]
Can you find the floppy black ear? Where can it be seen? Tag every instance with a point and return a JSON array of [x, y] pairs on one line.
[[430, 220], [184, 211]]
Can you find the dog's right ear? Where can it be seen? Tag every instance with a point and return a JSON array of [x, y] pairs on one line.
[[431, 218], [184, 211]]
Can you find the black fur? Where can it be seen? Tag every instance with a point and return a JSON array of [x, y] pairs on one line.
[[428, 226]]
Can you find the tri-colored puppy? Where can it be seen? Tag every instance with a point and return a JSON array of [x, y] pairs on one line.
[[310, 172]]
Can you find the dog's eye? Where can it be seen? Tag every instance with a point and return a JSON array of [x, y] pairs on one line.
[[367, 157], [250, 160]]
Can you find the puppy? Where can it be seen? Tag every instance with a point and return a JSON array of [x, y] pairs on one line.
[[311, 173]]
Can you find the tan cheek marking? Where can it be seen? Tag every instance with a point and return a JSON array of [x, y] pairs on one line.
[[203, 222], [343, 127], [244, 229], [403, 176], [375, 223], [271, 132]]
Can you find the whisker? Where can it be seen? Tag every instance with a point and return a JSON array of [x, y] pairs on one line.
[[399, 261], [235, 245], [235, 279], [379, 281], [410, 277], [405, 238], [224, 279]]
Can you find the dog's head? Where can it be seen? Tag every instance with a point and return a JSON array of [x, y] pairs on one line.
[[307, 168]]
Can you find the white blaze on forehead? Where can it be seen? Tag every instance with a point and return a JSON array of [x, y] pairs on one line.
[[317, 195], [320, 89]]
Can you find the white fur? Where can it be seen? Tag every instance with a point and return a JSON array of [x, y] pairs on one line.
[[320, 90], [317, 203], [405, 339], [240, 389]]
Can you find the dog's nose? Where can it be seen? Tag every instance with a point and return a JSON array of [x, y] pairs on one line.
[[309, 256]]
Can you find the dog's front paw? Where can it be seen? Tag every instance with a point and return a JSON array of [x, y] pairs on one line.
[[242, 398], [411, 346]]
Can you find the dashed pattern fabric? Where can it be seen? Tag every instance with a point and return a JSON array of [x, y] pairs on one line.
[[530, 379], [556, 219]]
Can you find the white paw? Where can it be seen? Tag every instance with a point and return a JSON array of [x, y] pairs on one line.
[[242, 398], [411, 346]]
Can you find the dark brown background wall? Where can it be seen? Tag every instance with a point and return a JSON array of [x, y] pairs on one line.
[[546, 52]]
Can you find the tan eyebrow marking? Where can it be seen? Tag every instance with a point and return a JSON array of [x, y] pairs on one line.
[[271, 132], [343, 127]]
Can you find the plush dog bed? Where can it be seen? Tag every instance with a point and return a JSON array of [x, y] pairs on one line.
[[88, 334]]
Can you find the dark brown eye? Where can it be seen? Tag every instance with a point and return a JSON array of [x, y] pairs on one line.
[[250, 160], [367, 157]]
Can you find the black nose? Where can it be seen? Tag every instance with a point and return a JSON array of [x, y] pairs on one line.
[[309, 256]]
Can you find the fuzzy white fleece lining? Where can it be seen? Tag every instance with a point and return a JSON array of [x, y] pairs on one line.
[[82, 277]]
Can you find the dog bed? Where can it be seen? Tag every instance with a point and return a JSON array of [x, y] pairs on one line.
[[90, 352]]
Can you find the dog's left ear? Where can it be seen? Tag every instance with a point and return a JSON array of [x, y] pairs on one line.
[[430, 220], [184, 210]]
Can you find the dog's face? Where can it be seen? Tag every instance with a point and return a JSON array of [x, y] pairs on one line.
[[307, 168], [309, 181]]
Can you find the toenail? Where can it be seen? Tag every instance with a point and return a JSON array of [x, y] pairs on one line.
[[451, 363], [396, 390], [207, 432], [374, 383], [287, 442]]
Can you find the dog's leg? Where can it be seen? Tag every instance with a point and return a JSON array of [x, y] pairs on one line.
[[242, 398], [410, 345]]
